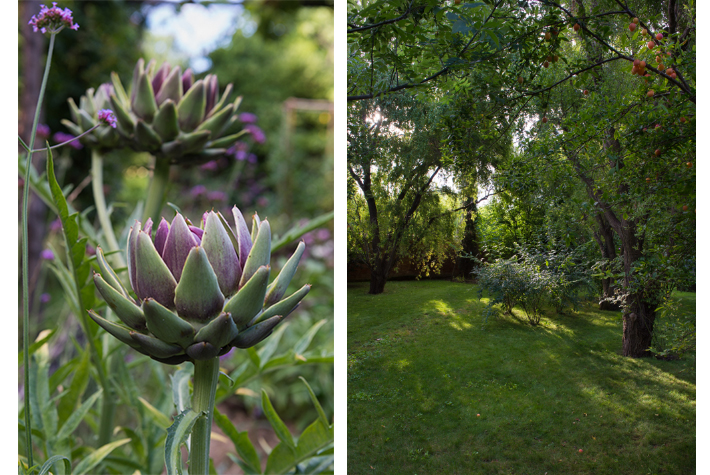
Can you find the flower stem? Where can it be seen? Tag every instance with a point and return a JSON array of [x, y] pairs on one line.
[[97, 185], [156, 190], [25, 257], [205, 388]]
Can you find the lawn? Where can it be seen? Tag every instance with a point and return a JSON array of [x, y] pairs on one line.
[[432, 392]]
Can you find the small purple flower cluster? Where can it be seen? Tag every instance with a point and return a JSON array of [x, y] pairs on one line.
[[106, 116], [52, 20]]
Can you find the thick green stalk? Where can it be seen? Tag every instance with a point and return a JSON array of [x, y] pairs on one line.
[[205, 388], [156, 190], [25, 256], [97, 185]]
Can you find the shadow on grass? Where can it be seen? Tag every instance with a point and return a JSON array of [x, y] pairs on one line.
[[430, 391]]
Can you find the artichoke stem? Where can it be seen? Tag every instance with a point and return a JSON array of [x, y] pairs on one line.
[[205, 389], [156, 190], [97, 185]]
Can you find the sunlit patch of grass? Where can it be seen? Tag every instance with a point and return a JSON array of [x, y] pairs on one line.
[[432, 390]]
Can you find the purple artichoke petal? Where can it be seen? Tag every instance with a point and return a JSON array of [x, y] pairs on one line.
[[221, 254], [177, 245], [131, 247], [243, 236], [197, 296], [161, 235], [197, 234], [160, 76], [172, 87], [212, 90], [153, 277], [187, 80], [148, 228]]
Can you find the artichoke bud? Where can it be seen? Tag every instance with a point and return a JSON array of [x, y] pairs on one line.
[[166, 113], [86, 116], [192, 301]]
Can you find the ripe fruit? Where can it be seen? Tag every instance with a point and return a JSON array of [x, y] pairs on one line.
[[669, 71], [642, 64], [544, 120], [685, 207], [520, 79], [650, 94], [661, 67], [650, 44], [576, 27], [635, 20], [658, 59], [659, 36], [548, 36], [586, 92], [644, 32], [658, 152], [634, 70], [637, 62], [674, 75], [580, 451], [648, 180], [546, 64], [549, 58], [682, 119], [632, 27], [689, 164], [457, 2], [555, 58]]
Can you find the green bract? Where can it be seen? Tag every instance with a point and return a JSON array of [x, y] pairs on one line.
[[199, 291], [169, 114]]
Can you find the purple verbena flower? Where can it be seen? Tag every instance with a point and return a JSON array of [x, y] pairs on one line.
[[251, 158], [52, 20], [45, 298], [43, 131], [217, 196], [55, 225], [197, 191], [256, 133], [248, 118], [47, 255], [61, 137], [209, 166], [106, 116]]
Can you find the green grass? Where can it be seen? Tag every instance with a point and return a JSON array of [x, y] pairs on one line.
[[431, 392]]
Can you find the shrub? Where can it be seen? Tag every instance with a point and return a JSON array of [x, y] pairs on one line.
[[531, 281], [673, 331]]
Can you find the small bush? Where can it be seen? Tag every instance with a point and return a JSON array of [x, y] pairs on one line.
[[673, 331], [532, 281]]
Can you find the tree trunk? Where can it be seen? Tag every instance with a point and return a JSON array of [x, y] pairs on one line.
[[469, 244], [605, 238], [638, 329], [377, 281]]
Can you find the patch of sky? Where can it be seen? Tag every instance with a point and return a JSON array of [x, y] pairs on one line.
[[194, 30]]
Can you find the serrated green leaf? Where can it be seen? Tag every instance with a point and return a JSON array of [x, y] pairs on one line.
[[79, 382], [76, 417], [241, 442], [277, 424], [281, 460], [303, 343], [181, 388], [47, 465], [97, 456], [316, 404], [160, 419], [177, 435]]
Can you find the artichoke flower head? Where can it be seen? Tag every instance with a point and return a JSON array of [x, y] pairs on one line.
[[167, 113], [199, 291]]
